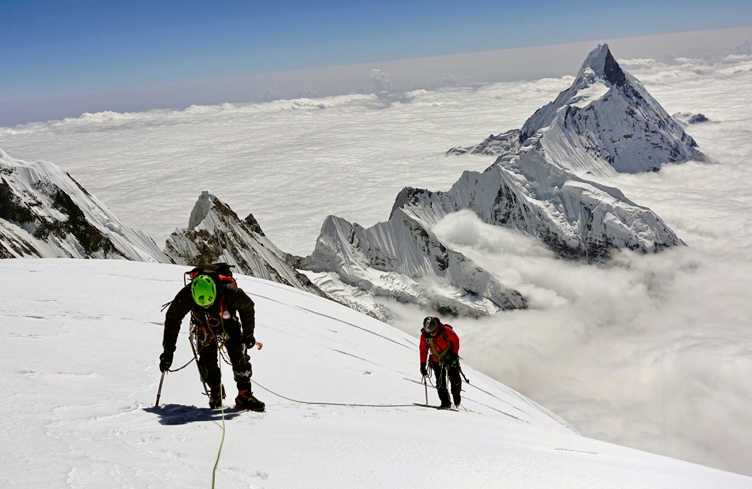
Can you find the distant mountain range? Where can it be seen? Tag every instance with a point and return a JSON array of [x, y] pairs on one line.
[[605, 123]]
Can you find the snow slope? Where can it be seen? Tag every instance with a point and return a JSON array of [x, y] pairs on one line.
[[80, 340]]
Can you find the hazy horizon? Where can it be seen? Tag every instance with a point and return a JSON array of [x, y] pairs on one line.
[[83, 57]]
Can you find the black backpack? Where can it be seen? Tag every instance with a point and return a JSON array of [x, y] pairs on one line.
[[221, 272]]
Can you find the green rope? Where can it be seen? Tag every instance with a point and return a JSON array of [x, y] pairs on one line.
[[332, 403], [221, 444], [224, 427]]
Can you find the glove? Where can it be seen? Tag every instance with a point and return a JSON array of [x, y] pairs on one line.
[[248, 340], [165, 361], [423, 370]]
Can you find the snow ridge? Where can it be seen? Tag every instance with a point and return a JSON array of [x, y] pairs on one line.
[[575, 217], [403, 259], [45, 213], [97, 421]]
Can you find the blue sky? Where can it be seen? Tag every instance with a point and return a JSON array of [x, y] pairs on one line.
[[66, 57]]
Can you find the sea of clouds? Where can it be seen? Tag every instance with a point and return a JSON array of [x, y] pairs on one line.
[[653, 352]]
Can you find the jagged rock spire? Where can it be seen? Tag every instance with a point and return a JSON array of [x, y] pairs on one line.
[[215, 233]]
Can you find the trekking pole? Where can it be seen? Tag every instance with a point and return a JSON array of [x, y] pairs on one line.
[[159, 391], [463, 375]]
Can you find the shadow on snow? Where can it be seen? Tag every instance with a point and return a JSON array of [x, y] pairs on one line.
[[176, 414]]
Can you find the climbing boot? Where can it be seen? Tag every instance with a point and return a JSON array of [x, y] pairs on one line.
[[444, 398], [246, 400], [216, 395], [457, 397]]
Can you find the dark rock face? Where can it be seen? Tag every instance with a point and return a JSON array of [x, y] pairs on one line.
[[613, 72], [253, 225], [91, 239], [93, 242], [11, 208]]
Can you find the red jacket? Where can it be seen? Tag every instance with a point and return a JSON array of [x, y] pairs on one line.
[[444, 339]]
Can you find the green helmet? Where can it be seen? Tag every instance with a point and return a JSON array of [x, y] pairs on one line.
[[204, 290]]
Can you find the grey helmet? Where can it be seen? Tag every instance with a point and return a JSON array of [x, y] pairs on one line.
[[430, 324]]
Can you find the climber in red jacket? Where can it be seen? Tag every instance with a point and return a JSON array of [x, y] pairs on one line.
[[444, 346]]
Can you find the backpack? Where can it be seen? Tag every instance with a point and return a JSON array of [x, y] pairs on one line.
[[221, 273]]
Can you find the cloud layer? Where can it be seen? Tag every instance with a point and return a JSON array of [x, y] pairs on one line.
[[648, 351]]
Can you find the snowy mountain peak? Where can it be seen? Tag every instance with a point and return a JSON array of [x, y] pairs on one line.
[[216, 234], [201, 209], [603, 65], [599, 72], [606, 122], [603, 123]]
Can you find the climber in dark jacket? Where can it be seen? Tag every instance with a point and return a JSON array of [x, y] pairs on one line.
[[221, 314], [444, 346]]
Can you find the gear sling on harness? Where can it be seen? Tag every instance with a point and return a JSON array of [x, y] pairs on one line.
[[442, 354]]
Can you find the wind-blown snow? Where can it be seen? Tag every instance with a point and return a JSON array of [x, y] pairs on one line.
[[80, 340]]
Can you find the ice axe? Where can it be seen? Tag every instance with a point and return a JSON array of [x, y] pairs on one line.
[[425, 386], [159, 391]]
